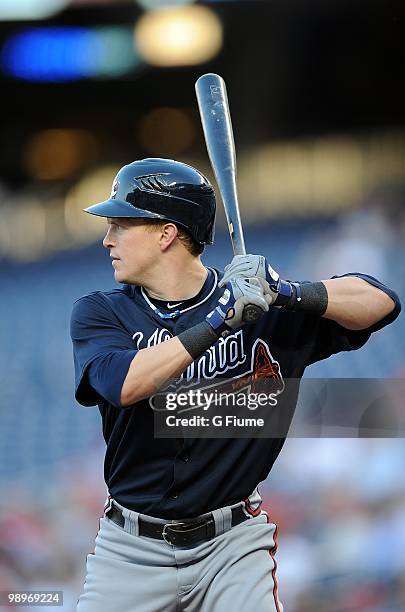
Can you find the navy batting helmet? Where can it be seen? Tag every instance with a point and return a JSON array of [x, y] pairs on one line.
[[156, 188]]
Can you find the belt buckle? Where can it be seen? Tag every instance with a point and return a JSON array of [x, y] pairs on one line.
[[164, 531]]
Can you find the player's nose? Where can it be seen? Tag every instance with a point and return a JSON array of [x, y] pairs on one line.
[[107, 242]]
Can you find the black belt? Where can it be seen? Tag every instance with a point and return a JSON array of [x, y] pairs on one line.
[[178, 533]]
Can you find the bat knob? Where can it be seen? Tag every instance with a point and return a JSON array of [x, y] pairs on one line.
[[251, 313]]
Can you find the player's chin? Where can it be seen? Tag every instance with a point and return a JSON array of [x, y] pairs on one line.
[[120, 276], [123, 278]]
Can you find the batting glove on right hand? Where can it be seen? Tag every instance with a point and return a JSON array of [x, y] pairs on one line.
[[239, 292]]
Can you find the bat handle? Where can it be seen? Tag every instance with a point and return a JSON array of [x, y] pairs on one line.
[[251, 313]]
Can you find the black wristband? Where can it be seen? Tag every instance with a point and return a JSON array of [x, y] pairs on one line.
[[308, 297], [198, 338]]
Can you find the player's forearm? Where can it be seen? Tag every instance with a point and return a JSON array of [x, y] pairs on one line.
[[354, 303], [151, 368]]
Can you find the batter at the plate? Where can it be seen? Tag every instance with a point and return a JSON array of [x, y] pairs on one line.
[[183, 528]]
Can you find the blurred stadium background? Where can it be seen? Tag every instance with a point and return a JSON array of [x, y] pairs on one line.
[[318, 105]]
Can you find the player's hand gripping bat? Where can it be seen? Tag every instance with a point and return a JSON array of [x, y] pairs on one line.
[[216, 122]]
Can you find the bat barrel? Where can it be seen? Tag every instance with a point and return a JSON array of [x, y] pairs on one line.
[[216, 121]]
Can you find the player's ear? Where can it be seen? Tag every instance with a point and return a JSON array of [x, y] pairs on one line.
[[168, 233]]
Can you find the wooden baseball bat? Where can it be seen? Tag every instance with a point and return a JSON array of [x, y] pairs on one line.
[[216, 121]]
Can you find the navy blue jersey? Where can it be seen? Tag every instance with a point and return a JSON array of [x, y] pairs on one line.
[[184, 477]]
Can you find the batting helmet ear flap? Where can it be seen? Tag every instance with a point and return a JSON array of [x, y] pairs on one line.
[[156, 188]]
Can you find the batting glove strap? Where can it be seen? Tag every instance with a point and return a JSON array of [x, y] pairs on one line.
[[216, 319], [284, 294]]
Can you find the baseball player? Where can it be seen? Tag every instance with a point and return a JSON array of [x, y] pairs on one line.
[[183, 528]]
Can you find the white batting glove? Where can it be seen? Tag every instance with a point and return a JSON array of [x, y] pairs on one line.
[[247, 266]]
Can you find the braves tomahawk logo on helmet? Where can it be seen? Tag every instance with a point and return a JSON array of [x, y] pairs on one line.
[[114, 189]]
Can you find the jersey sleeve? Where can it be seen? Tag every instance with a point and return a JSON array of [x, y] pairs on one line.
[[332, 338], [102, 351]]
